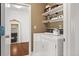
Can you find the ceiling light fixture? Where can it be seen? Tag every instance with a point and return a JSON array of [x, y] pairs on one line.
[[17, 6], [7, 5]]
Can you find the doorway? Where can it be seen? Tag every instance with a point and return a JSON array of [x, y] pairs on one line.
[[17, 37], [15, 31]]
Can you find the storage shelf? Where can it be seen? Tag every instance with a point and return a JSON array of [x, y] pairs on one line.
[[50, 21], [54, 10]]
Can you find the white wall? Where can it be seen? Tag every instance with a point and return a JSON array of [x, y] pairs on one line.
[[23, 17]]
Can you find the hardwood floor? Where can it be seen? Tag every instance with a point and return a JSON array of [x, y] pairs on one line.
[[19, 49]]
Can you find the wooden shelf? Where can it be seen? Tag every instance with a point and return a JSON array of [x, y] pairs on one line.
[[53, 28], [50, 21], [54, 10]]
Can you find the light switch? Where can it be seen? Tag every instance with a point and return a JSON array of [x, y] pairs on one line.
[[35, 26]]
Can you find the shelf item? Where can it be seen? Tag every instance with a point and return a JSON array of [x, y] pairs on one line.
[[54, 10], [58, 17]]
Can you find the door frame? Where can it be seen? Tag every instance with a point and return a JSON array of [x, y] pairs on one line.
[[14, 21], [67, 28]]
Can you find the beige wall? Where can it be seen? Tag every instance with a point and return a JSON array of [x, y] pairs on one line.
[[36, 17], [37, 10]]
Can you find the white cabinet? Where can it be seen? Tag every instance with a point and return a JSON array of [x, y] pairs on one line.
[[49, 46], [46, 46]]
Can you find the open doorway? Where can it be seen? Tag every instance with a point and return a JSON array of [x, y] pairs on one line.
[[14, 32], [17, 29]]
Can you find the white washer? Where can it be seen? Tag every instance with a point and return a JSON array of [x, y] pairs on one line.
[[47, 44]]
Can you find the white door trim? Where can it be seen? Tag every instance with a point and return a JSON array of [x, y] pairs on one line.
[[67, 29]]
